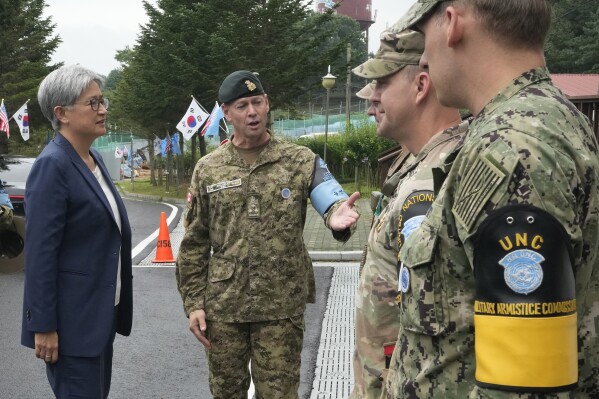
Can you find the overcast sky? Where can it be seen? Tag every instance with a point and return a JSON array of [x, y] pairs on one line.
[[93, 31]]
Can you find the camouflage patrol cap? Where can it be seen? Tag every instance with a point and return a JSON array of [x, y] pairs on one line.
[[397, 49], [416, 13], [366, 91], [239, 84]]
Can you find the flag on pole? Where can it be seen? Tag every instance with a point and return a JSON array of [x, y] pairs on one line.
[[211, 126], [176, 146], [163, 147], [169, 143], [22, 119], [157, 147], [4, 120], [192, 120], [118, 153]]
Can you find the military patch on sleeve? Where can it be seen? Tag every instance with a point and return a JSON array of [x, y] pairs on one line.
[[476, 189], [413, 211], [525, 302]]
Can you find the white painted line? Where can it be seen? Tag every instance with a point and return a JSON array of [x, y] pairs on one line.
[[252, 388], [142, 245]]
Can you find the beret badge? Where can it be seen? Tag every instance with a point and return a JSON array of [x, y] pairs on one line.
[[250, 85]]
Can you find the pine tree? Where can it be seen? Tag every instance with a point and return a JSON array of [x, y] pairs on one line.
[[572, 43], [27, 42]]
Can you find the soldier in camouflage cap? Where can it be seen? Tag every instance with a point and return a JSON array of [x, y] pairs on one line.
[[499, 287], [365, 92], [243, 270], [397, 49], [407, 112]]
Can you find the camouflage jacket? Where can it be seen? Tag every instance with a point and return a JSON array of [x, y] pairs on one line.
[[6, 217], [529, 145], [377, 315], [252, 218]]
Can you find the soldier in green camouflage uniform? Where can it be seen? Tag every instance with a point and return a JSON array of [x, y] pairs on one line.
[[428, 131], [247, 205], [499, 287]]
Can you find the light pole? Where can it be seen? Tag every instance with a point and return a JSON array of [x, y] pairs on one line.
[[328, 81]]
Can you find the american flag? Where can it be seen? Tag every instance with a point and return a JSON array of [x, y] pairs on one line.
[[169, 143], [4, 120]]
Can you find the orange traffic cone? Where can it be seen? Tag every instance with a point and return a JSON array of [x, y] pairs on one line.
[[164, 253]]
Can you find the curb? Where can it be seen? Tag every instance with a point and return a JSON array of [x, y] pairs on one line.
[[154, 198], [335, 256], [325, 256]]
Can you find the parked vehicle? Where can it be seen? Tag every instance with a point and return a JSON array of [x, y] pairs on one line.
[[13, 173]]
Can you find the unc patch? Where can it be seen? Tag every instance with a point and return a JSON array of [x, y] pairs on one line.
[[285, 193], [523, 272], [404, 279]]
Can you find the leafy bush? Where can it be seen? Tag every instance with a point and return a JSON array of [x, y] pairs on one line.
[[355, 149]]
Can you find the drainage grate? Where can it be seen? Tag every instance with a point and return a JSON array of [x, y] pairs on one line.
[[334, 375]]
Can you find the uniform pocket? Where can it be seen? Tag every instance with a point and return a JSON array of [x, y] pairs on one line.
[[423, 306], [220, 269]]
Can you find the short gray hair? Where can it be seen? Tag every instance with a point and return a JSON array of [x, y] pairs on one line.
[[62, 87]]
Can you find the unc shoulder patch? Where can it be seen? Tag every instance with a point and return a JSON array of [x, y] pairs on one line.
[[525, 302]]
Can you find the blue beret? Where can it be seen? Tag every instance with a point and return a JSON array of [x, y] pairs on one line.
[[239, 84]]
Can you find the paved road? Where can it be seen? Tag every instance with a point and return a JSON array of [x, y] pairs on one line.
[[161, 359]]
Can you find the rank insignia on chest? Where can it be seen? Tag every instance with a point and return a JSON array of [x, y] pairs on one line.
[[253, 204]]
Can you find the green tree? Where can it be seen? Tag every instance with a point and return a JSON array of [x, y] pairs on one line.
[[27, 42], [187, 47], [572, 42]]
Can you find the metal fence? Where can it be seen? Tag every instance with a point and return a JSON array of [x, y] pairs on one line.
[[589, 105]]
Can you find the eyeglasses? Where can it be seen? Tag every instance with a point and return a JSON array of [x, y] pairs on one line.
[[95, 103]]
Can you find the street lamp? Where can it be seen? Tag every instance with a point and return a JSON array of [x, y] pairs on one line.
[[328, 81]]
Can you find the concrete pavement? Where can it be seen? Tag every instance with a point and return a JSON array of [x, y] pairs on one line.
[[333, 369]]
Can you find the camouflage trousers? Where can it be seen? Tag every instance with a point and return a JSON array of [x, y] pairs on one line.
[[376, 323], [274, 348]]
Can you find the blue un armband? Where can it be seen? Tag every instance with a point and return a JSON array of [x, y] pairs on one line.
[[325, 189]]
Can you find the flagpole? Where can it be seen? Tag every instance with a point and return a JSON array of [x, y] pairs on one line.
[[201, 106], [13, 115]]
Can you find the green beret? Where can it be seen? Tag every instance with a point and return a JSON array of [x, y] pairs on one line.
[[239, 84]]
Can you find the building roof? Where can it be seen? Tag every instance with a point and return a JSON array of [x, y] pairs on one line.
[[576, 85]]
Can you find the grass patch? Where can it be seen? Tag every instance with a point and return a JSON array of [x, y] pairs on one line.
[[350, 188], [142, 185]]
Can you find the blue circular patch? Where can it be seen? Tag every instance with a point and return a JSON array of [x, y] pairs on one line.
[[404, 279], [285, 193], [523, 272]]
